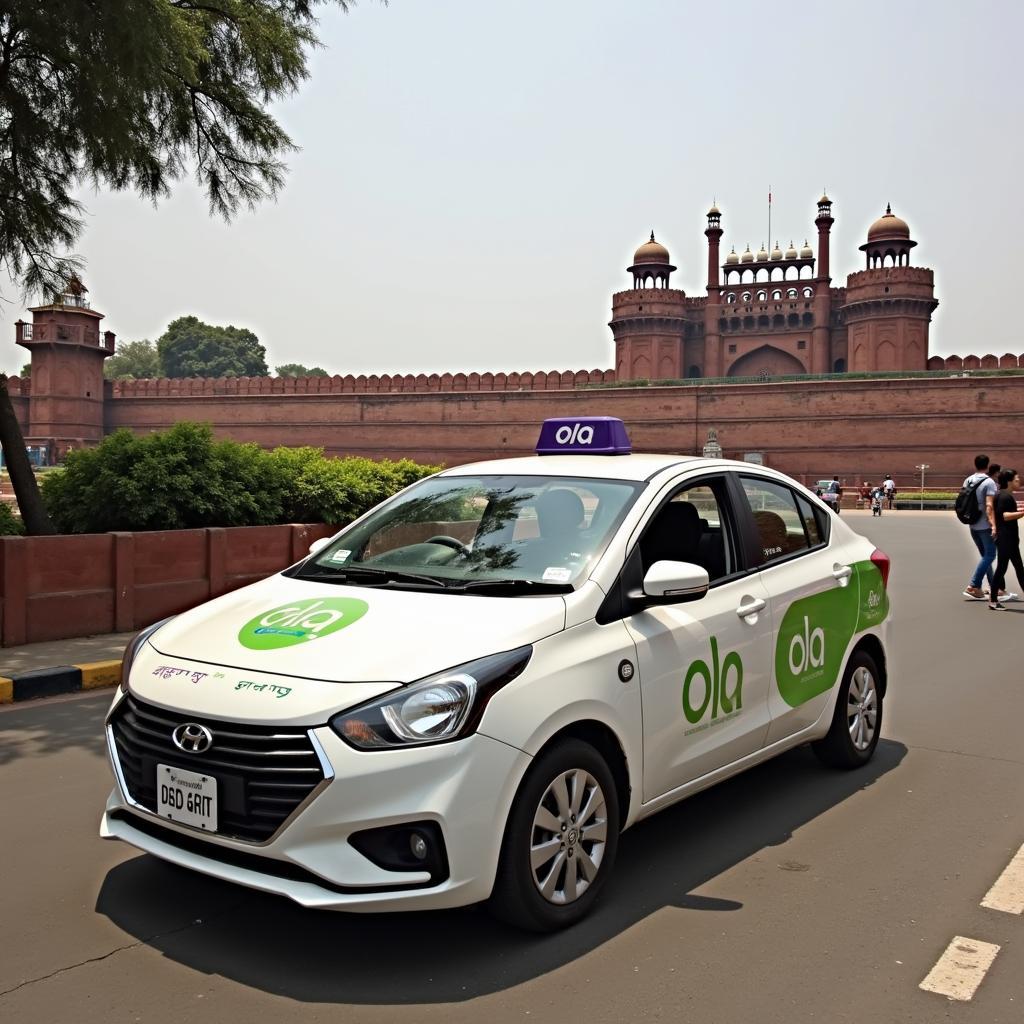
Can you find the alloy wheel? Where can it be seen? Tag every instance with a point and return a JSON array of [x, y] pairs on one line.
[[862, 708], [569, 837]]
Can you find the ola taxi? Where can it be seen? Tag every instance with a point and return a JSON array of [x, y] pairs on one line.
[[470, 692]]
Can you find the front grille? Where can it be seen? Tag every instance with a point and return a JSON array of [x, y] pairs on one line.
[[263, 772]]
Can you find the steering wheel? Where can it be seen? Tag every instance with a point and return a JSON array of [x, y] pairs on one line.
[[450, 542]]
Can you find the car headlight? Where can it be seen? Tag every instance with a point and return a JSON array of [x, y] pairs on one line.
[[444, 706], [133, 648]]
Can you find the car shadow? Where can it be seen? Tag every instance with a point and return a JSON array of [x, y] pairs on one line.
[[268, 943]]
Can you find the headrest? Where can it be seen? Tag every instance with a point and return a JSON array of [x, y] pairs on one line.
[[559, 509]]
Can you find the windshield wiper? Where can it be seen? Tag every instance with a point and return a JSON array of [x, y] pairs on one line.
[[366, 576], [500, 588]]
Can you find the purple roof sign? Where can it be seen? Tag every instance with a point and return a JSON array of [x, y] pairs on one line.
[[584, 435]]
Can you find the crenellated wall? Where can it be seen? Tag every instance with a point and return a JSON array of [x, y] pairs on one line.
[[371, 385]]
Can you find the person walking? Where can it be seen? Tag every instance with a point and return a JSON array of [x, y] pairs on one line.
[[836, 489], [889, 486], [983, 529], [1007, 536]]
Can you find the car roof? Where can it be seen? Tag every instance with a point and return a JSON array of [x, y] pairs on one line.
[[638, 467]]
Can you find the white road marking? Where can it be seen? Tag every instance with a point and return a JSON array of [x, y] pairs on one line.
[[961, 969], [1008, 892]]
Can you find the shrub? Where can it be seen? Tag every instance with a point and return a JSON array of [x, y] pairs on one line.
[[10, 524], [183, 478], [340, 490]]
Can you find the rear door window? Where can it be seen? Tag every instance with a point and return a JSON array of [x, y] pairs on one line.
[[782, 529]]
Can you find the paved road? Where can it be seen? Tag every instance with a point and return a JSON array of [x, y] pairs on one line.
[[790, 894]]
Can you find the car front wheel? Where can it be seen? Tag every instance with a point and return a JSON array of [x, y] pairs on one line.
[[560, 840], [857, 721]]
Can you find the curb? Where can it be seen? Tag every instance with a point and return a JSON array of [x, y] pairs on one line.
[[48, 682]]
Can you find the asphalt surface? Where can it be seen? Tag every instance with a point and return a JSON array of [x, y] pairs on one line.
[[791, 893]]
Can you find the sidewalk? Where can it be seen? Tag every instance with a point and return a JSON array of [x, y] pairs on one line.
[[60, 666]]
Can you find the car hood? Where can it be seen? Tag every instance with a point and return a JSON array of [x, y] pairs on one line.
[[330, 647]]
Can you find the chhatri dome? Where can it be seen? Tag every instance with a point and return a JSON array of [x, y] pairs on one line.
[[791, 251], [889, 227], [651, 252], [732, 257]]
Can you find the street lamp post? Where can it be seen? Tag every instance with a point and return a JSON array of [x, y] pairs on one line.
[[923, 466]]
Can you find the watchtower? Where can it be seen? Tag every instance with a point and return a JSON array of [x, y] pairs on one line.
[[889, 305], [66, 397], [648, 323]]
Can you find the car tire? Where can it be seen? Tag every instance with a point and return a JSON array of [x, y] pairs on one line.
[[560, 841], [857, 721]]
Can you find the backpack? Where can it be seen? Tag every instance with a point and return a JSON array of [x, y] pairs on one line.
[[966, 505]]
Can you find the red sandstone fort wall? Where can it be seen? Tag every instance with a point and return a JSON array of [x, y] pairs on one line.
[[859, 429]]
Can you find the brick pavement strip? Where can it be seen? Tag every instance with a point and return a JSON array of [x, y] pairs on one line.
[[47, 682]]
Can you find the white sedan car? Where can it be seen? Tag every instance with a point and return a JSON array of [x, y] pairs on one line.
[[511, 663]]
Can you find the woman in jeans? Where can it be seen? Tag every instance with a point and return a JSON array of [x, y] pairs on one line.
[[1007, 535]]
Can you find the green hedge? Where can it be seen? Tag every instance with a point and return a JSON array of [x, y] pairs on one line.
[[183, 478], [10, 524]]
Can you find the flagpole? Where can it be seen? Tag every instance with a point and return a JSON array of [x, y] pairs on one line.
[[769, 217]]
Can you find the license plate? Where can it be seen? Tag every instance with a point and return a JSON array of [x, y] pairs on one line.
[[189, 798]]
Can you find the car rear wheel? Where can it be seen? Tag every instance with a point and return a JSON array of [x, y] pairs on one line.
[[560, 840], [857, 721]]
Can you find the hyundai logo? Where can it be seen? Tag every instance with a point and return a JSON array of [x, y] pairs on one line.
[[192, 738]]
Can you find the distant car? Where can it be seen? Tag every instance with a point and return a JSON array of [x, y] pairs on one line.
[[823, 489], [471, 691]]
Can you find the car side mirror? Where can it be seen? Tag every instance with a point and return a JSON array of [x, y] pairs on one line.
[[670, 582], [319, 545]]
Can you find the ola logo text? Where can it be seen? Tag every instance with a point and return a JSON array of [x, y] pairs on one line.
[[722, 686], [300, 622], [578, 433], [807, 649]]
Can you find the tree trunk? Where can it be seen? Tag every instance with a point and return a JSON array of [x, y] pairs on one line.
[[26, 490]]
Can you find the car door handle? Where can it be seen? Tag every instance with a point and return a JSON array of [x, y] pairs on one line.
[[752, 607], [842, 573]]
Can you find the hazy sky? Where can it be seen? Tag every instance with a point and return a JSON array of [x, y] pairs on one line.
[[474, 177]]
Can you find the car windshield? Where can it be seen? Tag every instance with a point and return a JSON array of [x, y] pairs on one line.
[[479, 534]]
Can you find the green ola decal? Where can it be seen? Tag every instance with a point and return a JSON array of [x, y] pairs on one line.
[[812, 641], [300, 622], [874, 601]]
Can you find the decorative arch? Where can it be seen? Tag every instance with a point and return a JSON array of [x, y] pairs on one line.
[[766, 361], [885, 357]]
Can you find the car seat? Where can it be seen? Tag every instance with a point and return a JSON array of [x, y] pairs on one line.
[[673, 535]]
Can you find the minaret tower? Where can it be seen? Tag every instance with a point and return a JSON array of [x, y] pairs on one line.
[[66, 398], [712, 333], [821, 334]]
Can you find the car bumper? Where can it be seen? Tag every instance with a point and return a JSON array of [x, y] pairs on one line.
[[465, 787]]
